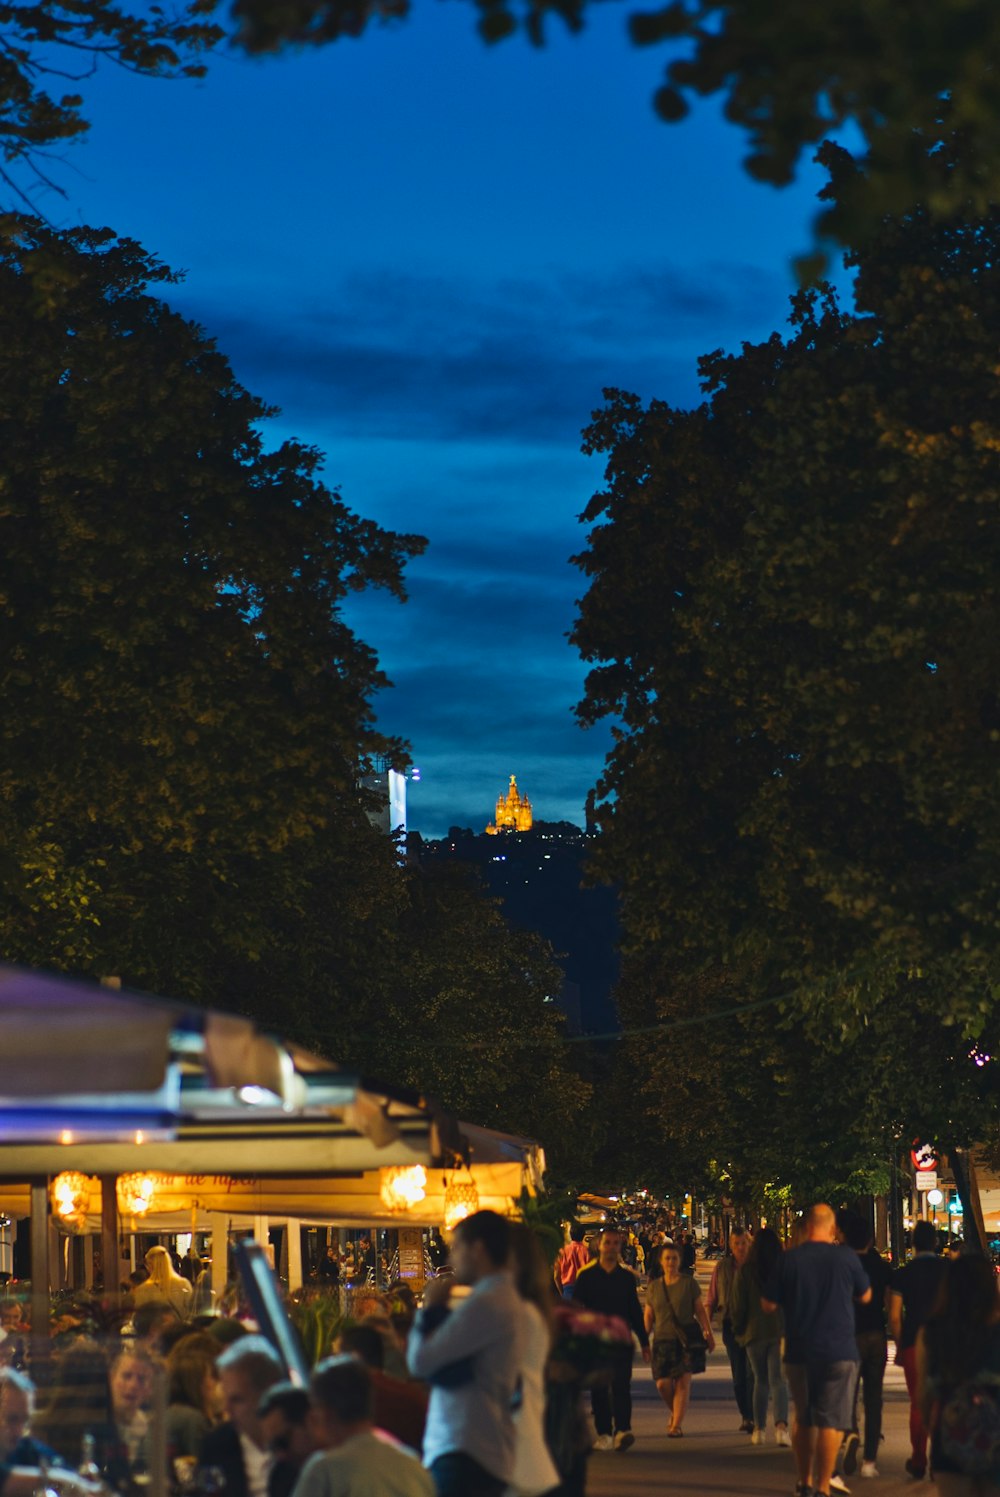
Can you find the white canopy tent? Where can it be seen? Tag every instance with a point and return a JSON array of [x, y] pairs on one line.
[[234, 1125]]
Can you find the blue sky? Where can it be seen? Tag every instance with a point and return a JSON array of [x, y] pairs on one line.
[[432, 255]]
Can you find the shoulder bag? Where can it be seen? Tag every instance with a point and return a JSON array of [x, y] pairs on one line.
[[691, 1337]]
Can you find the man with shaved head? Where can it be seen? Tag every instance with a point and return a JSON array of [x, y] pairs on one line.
[[817, 1286]]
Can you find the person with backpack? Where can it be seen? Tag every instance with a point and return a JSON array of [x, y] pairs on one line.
[[572, 1256], [958, 1380]]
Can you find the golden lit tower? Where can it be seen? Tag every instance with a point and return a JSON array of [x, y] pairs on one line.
[[513, 812]]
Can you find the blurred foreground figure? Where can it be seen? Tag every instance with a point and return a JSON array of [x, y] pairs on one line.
[[357, 1460], [471, 1356]]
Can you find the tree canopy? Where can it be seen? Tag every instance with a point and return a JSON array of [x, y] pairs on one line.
[[792, 618], [50, 44], [462, 1006], [182, 695], [752, 1106], [894, 77], [185, 709]]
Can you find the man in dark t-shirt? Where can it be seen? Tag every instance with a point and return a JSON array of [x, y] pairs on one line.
[[912, 1292], [869, 1331], [817, 1285], [607, 1287]]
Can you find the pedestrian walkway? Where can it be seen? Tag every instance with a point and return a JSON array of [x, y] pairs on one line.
[[715, 1460]]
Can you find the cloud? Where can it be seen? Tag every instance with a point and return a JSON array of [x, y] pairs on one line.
[[479, 657], [383, 353], [457, 405]]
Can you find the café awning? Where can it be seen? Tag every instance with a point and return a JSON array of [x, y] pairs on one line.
[[105, 1082]]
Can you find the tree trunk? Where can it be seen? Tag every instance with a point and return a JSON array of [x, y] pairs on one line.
[[974, 1229]]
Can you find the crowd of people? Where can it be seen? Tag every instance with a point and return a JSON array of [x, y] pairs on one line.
[[460, 1396], [445, 1399], [807, 1330]]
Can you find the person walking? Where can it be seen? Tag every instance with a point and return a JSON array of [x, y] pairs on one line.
[[720, 1291], [608, 1287], [959, 1342], [471, 1356], [759, 1332], [572, 1256], [674, 1302], [817, 1285], [912, 1292], [870, 1334]]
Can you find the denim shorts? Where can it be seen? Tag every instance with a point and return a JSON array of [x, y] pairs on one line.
[[823, 1393]]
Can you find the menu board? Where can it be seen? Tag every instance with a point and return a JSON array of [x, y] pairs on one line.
[[411, 1253]]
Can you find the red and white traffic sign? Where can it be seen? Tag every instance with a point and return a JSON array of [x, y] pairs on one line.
[[923, 1156]]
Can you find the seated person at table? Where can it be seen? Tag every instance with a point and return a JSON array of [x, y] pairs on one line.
[[17, 1404], [400, 1403], [238, 1448], [358, 1461], [288, 1432]]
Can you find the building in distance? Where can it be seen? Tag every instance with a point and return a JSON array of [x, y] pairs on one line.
[[388, 784], [513, 813]]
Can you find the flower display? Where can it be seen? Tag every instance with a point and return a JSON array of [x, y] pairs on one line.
[[587, 1346]]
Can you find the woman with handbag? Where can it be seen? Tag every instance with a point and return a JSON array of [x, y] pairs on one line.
[[676, 1315]]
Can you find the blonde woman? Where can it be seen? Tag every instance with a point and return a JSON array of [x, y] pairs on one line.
[[164, 1284]]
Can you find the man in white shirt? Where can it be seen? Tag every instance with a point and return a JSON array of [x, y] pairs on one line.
[[471, 1356], [358, 1460]]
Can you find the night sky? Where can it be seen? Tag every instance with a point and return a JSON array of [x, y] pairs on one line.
[[432, 255]]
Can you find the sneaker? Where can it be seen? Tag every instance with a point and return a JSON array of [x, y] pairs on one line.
[[757, 1438], [746, 1427], [624, 1439], [604, 1442], [781, 1435], [838, 1484], [869, 1468], [915, 1472], [849, 1454]]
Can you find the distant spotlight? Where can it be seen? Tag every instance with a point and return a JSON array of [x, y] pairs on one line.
[[415, 775]]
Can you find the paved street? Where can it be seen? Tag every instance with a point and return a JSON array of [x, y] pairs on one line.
[[714, 1460]]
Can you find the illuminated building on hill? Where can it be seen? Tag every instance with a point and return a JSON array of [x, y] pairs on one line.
[[513, 813], [540, 877]]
